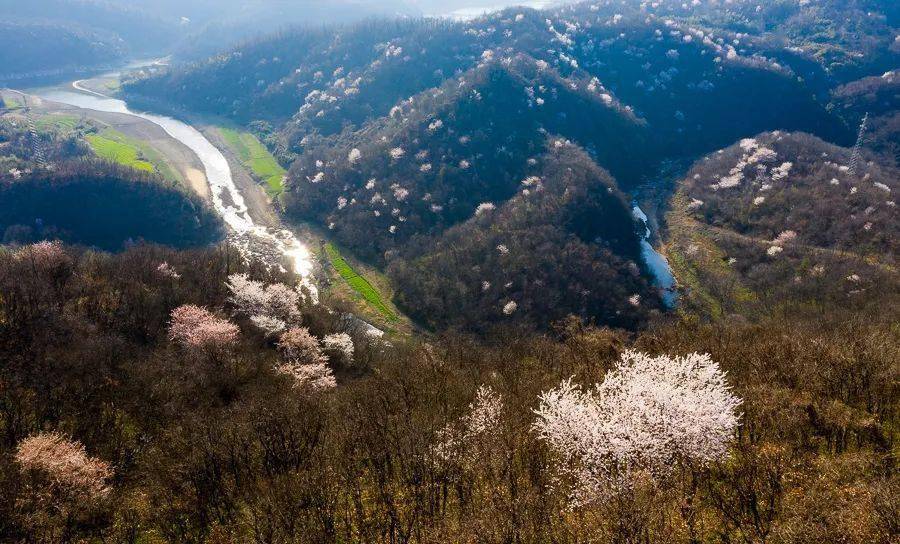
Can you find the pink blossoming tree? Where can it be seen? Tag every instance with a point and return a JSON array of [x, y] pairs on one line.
[[192, 326], [65, 465]]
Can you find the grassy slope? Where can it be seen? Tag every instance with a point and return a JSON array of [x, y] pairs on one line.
[[257, 158], [710, 286], [63, 123], [112, 148], [115, 146], [9, 103], [359, 284]]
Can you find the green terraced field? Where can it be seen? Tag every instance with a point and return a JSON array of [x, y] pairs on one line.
[[257, 158], [57, 122], [115, 147], [357, 282]]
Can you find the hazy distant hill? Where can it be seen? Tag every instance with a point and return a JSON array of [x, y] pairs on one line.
[[36, 49], [46, 36]]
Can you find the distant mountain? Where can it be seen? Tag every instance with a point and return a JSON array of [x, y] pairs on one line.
[[32, 50], [43, 37]]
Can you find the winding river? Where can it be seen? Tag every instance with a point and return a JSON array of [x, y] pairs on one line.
[[251, 238]]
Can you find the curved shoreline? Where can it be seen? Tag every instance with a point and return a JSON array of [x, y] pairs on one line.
[[252, 238]]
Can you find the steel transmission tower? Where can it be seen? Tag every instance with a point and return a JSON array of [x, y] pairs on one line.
[[854, 158]]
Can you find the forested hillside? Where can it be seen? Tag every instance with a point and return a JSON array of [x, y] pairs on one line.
[[783, 216], [397, 131], [565, 244], [45, 39], [181, 419], [877, 99], [52, 187], [41, 49], [505, 180]]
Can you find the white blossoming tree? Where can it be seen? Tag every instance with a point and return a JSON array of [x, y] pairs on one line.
[[272, 308], [338, 347], [649, 415], [462, 439], [304, 361]]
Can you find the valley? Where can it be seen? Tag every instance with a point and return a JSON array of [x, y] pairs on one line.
[[608, 271], [241, 171]]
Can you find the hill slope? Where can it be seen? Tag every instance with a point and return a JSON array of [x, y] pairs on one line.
[[782, 217], [396, 132]]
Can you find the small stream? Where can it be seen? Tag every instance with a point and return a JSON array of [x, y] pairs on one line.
[[253, 240], [663, 278]]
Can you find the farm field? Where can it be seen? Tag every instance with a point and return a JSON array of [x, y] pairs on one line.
[[115, 146], [109, 147], [64, 123], [254, 155], [9, 103], [359, 284]]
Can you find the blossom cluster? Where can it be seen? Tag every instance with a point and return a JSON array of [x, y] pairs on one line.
[[648, 414], [44, 255], [304, 360], [460, 440], [273, 308], [193, 326], [65, 463]]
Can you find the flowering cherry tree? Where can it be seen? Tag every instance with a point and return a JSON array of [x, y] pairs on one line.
[[273, 308], [317, 376], [65, 464], [304, 360], [298, 346], [648, 415], [165, 270], [339, 346], [44, 255], [197, 327]]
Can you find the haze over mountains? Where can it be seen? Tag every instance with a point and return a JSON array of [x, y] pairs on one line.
[[48, 37]]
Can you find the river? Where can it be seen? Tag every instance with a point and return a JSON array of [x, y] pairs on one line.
[[663, 278], [251, 238]]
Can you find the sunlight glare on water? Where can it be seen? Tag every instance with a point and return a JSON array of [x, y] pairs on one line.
[[251, 238]]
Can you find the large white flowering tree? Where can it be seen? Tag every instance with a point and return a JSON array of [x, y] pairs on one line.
[[273, 308], [649, 415]]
